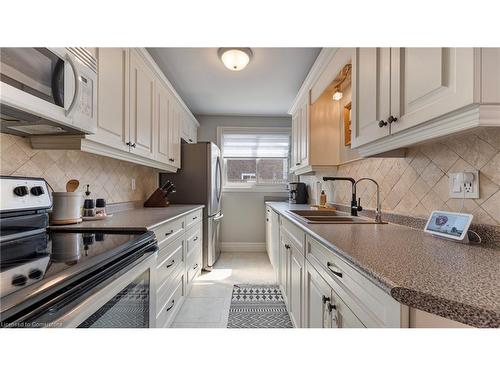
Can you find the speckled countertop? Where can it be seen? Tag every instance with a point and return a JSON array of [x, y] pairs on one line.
[[137, 219], [453, 280]]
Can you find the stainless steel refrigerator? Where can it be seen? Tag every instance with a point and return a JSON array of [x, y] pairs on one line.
[[199, 181]]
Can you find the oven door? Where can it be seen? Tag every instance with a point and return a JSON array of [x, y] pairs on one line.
[[42, 88], [124, 301]]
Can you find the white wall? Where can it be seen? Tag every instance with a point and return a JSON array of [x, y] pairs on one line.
[[244, 215]]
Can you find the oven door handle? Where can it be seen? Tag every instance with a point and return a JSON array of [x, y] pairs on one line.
[[94, 299], [71, 62]]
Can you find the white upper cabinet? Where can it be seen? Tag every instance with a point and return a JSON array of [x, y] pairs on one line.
[[189, 129], [371, 104], [429, 82], [112, 92], [304, 132], [174, 136], [142, 88], [163, 108]]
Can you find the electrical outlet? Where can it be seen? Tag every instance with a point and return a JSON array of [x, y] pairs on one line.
[[133, 184], [464, 184]]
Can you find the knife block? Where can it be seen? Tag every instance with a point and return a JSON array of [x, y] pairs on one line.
[[157, 199]]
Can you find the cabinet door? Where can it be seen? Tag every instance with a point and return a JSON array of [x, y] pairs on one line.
[[283, 267], [340, 314], [295, 292], [429, 82], [317, 294], [112, 92], [142, 124], [304, 134], [274, 245], [193, 132], [163, 107], [174, 137], [371, 94], [295, 140]]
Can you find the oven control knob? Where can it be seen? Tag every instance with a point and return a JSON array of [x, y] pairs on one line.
[[21, 191], [19, 280], [35, 273], [37, 190]]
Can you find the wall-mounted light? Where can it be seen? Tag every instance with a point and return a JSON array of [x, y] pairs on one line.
[[235, 58], [337, 95]]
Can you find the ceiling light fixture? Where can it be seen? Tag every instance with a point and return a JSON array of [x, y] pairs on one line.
[[235, 58]]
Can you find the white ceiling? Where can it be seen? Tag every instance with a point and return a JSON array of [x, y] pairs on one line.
[[266, 87]]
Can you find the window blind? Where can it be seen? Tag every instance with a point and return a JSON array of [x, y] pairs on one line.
[[248, 144]]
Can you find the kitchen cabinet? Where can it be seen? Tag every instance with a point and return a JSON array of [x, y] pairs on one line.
[[272, 237], [317, 310], [139, 113], [400, 97], [178, 263], [189, 129], [174, 140], [112, 98], [422, 94], [142, 92], [300, 136], [371, 102], [321, 290]]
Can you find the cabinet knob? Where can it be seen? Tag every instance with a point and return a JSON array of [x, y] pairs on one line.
[[190, 140], [297, 163], [287, 247], [133, 145], [325, 299], [170, 159], [382, 123], [331, 307], [392, 119]]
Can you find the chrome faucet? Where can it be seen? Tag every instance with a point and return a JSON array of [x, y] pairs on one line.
[[378, 211]]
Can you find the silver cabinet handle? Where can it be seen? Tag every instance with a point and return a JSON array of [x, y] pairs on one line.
[[334, 271], [77, 84], [173, 303], [169, 233], [171, 263]]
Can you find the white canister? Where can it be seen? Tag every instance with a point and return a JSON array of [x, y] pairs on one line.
[[67, 207]]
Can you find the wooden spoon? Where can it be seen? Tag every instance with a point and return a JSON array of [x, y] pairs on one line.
[[72, 185]]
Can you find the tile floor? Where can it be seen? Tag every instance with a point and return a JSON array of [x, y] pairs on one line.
[[207, 305]]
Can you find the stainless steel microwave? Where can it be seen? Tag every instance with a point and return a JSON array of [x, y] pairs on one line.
[[46, 91]]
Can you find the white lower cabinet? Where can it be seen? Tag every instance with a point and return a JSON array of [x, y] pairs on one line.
[[178, 263], [321, 290]]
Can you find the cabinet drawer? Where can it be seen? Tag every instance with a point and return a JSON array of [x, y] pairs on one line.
[[373, 306], [193, 238], [169, 302], [170, 259], [169, 231], [295, 234], [193, 264], [193, 218]]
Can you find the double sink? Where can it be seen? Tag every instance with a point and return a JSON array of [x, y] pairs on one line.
[[328, 217]]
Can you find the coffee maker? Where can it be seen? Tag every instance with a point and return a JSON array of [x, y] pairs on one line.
[[297, 193]]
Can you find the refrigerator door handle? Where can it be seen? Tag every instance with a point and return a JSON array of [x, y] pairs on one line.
[[218, 217], [219, 186]]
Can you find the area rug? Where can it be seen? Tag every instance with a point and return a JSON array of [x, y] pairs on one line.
[[258, 306]]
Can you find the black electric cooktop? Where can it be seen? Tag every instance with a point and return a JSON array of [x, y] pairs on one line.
[[51, 257]]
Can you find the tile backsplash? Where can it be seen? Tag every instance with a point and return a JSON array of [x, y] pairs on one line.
[[417, 184], [108, 178]]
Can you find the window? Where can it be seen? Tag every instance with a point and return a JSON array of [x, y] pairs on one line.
[[255, 158]]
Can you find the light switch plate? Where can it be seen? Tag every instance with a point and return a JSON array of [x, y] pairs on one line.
[[464, 184]]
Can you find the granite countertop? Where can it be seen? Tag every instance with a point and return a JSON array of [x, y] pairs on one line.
[[138, 219], [453, 280]]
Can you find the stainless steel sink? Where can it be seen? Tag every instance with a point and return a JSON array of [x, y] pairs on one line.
[[328, 217]]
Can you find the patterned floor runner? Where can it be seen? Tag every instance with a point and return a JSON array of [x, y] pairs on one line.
[[258, 306]]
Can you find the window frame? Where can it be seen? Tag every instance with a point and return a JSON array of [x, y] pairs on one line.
[[252, 187]]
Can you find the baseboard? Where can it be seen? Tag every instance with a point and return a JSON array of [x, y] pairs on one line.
[[238, 247]]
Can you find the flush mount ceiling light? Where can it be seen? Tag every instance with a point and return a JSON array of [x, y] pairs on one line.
[[235, 58]]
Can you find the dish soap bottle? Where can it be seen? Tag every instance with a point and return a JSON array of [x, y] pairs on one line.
[[322, 199]]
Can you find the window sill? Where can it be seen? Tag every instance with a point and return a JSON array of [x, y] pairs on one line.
[[254, 189]]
